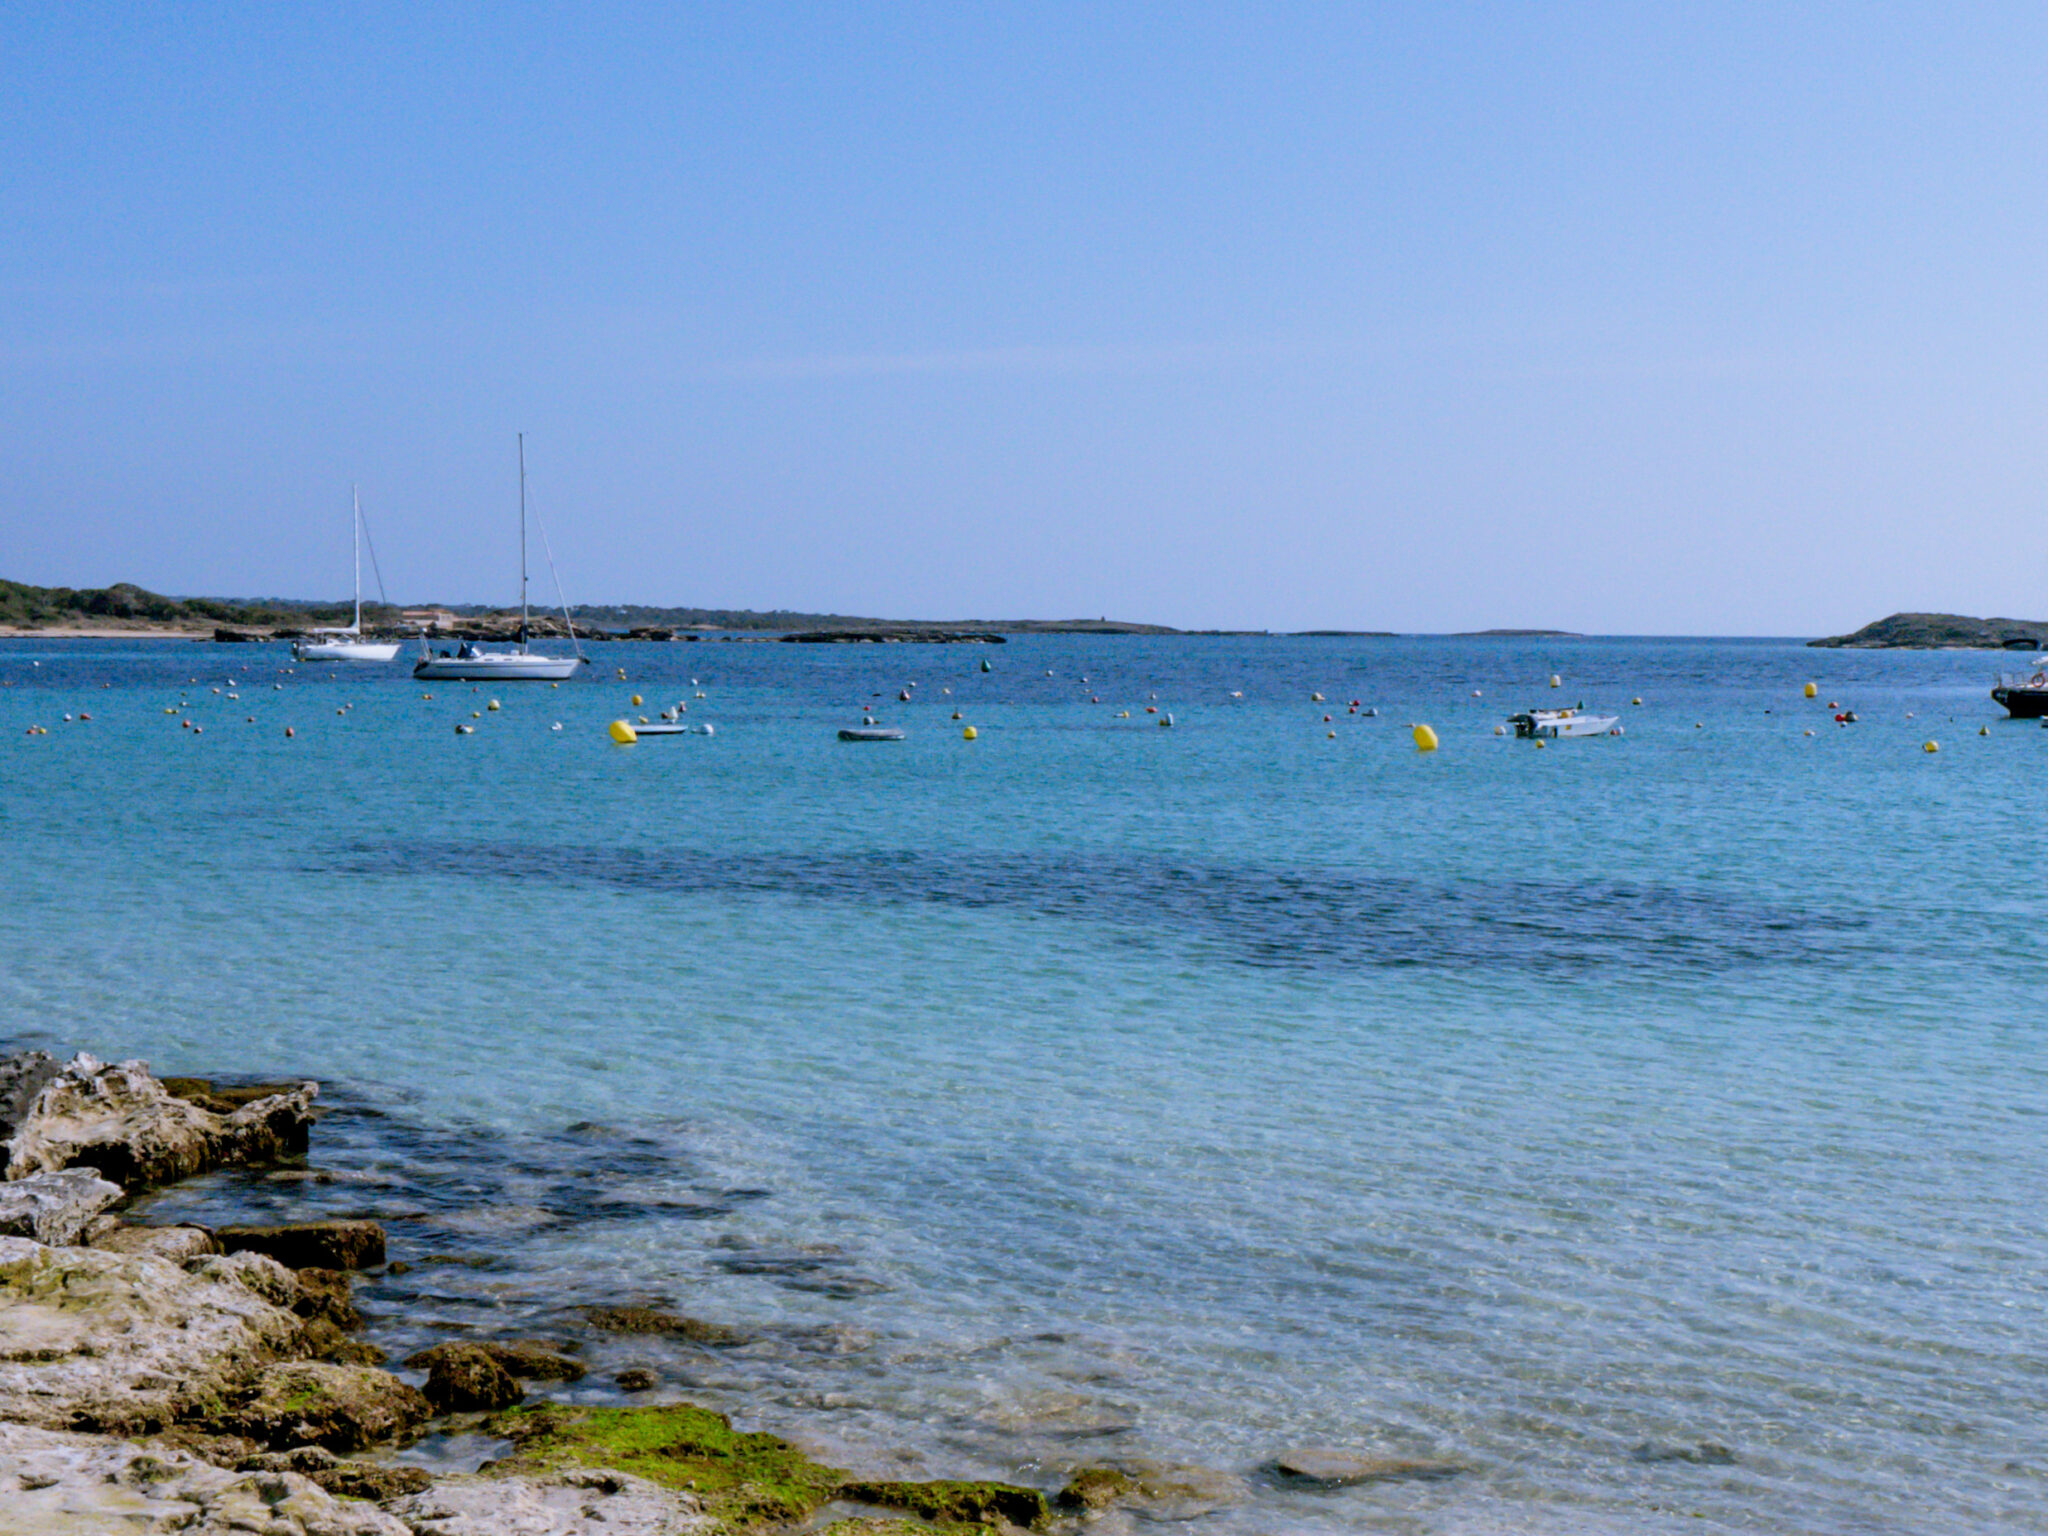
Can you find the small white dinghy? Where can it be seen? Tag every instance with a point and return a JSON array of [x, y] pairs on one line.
[[1552, 723], [871, 732]]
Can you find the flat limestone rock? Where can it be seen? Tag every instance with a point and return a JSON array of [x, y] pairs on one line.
[[56, 1484], [126, 1342], [572, 1503], [54, 1208], [1346, 1469], [179, 1245], [123, 1122]]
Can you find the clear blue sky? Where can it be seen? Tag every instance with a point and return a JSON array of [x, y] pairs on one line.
[[1650, 318]]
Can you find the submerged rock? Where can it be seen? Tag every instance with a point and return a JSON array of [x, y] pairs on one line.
[[635, 1378], [311, 1244], [339, 1407], [653, 1320], [1155, 1492], [1706, 1454], [59, 1484], [54, 1208], [130, 1343], [123, 1122], [1345, 1469], [462, 1378]]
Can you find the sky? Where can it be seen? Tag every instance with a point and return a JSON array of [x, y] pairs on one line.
[[1643, 319]]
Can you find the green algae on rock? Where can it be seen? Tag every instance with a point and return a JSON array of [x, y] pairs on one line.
[[743, 1479], [746, 1480], [949, 1503]]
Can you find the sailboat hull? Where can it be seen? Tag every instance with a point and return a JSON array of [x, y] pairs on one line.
[[342, 650], [497, 666]]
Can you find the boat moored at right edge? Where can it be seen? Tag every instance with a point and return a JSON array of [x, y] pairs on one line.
[[2024, 695]]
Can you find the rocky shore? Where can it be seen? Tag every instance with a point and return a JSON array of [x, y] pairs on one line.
[[216, 1378]]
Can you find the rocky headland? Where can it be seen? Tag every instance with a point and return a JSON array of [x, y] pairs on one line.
[[217, 1378], [1941, 632]]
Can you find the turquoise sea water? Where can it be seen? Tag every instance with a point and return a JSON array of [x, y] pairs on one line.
[[1096, 1091]]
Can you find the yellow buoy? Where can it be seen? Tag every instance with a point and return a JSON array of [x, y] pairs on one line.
[[1333, 735], [493, 706], [1812, 691], [1539, 743], [1930, 746], [636, 701], [1556, 681], [1425, 739], [1636, 700], [969, 734], [623, 733]]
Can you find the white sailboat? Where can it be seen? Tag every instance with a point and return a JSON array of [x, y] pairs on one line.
[[348, 644], [470, 665]]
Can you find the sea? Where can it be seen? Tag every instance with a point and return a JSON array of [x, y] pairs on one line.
[[1642, 1133]]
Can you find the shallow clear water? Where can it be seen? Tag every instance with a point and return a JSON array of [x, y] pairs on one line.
[[1097, 1091]]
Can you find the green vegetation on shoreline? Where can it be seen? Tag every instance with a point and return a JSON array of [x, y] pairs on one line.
[[125, 606]]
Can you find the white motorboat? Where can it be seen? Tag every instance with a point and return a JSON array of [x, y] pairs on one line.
[[470, 665], [1552, 723], [667, 727], [349, 644]]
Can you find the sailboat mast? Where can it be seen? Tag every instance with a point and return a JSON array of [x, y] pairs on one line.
[[356, 530], [522, 541]]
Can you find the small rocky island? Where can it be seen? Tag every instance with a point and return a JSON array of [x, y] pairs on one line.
[[1941, 632]]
